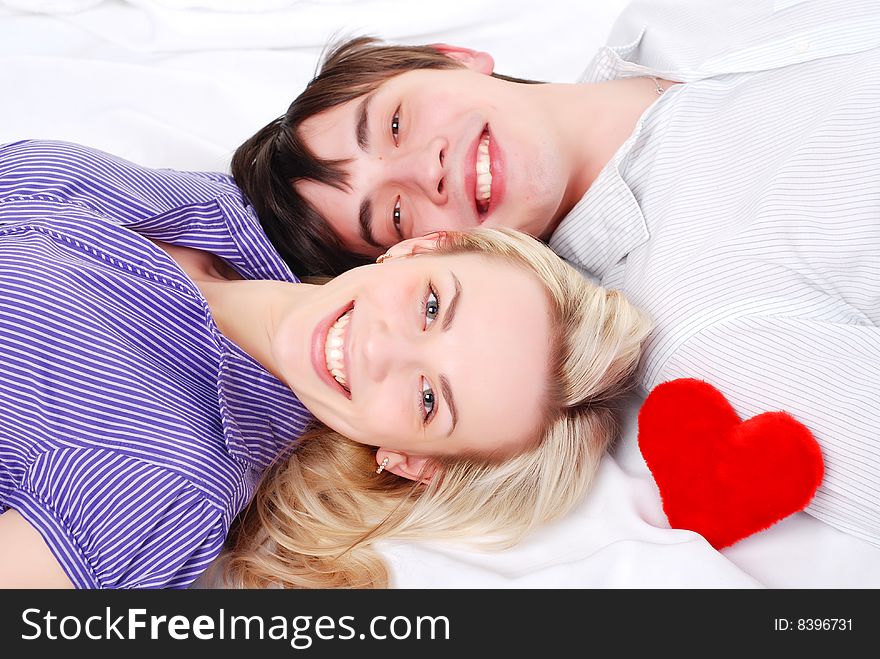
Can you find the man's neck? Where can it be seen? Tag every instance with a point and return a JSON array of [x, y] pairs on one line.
[[594, 121]]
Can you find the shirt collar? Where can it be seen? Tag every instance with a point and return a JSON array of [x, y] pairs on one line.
[[604, 226], [254, 255], [612, 62], [607, 223], [234, 233]]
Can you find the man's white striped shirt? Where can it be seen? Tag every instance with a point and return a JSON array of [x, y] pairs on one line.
[[743, 214]]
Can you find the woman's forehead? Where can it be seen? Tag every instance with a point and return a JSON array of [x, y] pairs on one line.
[[499, 351]]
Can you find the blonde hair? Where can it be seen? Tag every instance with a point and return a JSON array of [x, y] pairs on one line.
[[314, 518]]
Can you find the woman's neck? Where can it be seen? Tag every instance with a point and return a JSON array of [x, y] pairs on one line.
[[246, 311]]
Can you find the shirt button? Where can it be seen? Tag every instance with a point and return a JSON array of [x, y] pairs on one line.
[[802, 47]]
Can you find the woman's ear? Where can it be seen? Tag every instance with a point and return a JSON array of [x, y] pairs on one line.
[[406, 466], [412, 246], [475, 60]]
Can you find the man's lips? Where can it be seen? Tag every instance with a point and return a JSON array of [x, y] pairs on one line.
[[496, 157], [319, 340], [470, 175], [496, 168]]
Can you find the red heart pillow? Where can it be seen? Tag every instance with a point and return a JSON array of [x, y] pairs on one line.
[[721, 477]]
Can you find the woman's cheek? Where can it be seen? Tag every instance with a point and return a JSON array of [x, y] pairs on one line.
[[383, 419]]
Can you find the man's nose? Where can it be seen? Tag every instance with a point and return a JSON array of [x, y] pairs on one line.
[[425, 168]]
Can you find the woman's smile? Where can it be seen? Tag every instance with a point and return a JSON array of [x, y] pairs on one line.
[[331, 349], [335, 350]]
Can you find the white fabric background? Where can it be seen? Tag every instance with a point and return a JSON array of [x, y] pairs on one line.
[[180, 83]]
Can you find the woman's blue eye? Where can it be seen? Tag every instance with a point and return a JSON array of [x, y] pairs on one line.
[[427, 400], [395, 125], [432, 308]]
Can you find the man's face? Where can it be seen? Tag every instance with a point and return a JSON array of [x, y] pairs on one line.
[[419, 148]]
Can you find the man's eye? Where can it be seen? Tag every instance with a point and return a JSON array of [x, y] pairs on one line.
[[427, 400], [395, 125], [395, 217]]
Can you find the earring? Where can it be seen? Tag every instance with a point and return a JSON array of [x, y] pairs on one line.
[[382, 466], [384, 257]]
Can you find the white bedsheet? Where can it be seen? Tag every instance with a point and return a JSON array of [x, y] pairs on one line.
[[180, 83]]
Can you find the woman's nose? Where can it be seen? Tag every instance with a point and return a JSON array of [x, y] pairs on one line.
[[383, 350]]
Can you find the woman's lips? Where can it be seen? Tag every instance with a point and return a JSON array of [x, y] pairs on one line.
[[319, 341]]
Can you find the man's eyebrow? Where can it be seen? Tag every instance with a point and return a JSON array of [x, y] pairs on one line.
[[365, 221], [363, 135], [365, 212], [448, 317]]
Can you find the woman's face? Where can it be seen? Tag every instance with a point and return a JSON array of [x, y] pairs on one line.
[[425, 355]]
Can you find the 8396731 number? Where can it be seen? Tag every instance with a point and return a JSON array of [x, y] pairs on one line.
[[813, 624]]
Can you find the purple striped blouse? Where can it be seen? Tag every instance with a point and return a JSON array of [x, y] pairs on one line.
[[131, 430]]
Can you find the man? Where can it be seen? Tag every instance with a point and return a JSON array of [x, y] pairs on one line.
[[741, 206]]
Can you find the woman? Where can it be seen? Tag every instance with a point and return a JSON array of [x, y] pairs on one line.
[[147, 384]]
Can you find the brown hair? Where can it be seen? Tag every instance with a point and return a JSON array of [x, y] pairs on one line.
[[266, 166]]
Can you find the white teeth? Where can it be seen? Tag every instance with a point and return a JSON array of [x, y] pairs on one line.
[[333, 349], [484, 172]]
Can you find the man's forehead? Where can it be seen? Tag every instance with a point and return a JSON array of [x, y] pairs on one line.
[[330, 134], [340, 210]]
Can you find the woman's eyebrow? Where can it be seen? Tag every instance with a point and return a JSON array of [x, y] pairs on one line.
[[448, 317], [450, 401], [453, 304]]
